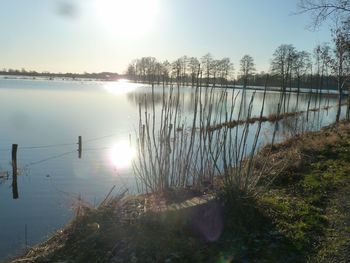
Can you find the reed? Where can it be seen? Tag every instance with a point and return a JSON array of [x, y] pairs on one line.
[[219, 140], [168, 144]]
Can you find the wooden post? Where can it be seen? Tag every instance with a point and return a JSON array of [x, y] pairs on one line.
[[14, 171], [25, 237], [79, 147]]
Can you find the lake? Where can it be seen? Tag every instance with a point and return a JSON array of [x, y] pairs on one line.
[[46, 117]]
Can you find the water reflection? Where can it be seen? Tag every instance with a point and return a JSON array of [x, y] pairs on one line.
[[122, 154], [120, 87], [143, 97], [58, 111], [185, 99], [4, 175], [117, 156]]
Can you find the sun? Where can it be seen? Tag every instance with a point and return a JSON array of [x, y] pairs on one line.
[[122, 154], [127, 18]]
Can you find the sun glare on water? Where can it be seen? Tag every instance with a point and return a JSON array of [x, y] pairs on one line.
[[120, 87], [127, 18], [122, 154]]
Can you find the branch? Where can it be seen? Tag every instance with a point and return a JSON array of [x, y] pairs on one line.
[[322, 10]]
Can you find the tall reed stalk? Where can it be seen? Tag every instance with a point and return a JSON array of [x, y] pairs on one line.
[[178, 150]]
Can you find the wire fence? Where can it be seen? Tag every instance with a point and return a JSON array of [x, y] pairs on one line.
[[5, 175], [59, 145]]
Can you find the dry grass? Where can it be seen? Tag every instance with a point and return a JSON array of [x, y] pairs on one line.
[[274, 117], [144, 227], [108, 223], [293, 154]]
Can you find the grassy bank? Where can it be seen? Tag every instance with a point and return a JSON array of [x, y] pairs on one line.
[[303, 216]]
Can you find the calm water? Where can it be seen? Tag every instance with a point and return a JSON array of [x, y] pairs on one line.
[[45, 119]]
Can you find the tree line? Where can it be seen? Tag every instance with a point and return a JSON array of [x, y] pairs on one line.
[[326, 67], [85, 75], [321, 69], [184, 70]]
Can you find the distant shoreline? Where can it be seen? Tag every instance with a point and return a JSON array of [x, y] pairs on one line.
[[102, 76], [82, 77]]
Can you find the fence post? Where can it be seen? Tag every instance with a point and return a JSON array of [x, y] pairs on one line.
[[79, 147], [14, 171]]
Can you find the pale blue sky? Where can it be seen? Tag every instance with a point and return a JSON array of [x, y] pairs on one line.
[[35, 35]]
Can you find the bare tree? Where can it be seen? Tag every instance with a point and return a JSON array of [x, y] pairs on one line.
[[341, 64], [282, 65], [131, 71], [193, 65], [323, 60], [145, 68], [338, 10], [166, 66], [247, 68], [321, 10], [183, 69], [282, 62], [158, 69], [302, 63], [215, 68], [322, 54], [176, 69], [225, 67], [207, 62]]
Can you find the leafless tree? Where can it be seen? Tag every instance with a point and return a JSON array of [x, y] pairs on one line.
[[247, 68], [166, 66], [341, 63], [215, 68], [145, 69], [301, 66], [225, 67], [193, 65], [323, 58], [321, 10], [176, 69], [207, 65], [282, 65], [131, 71], [158, 69], [183, 72], [339, 11], [282, 62]]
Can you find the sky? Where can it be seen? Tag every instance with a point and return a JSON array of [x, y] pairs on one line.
[[105, 35]]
